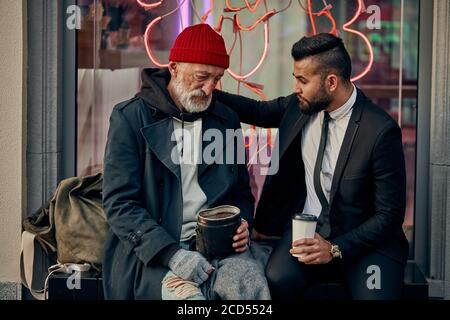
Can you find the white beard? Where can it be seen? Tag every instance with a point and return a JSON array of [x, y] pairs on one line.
[[194, 101]]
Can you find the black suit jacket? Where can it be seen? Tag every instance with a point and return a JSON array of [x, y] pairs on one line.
[[367, 200]]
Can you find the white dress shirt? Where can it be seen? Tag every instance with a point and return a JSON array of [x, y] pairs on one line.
[[311, 133]]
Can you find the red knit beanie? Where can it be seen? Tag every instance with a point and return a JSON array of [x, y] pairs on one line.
[[200, 44]]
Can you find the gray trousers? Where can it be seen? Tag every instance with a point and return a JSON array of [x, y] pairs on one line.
[[237, 277]]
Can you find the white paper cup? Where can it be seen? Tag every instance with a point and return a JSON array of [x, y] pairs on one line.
[[303, 226]]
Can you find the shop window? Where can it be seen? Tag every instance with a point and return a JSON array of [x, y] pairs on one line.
[[111, 53]]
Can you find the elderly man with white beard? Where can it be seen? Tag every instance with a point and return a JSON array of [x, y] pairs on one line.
[[152, 200]]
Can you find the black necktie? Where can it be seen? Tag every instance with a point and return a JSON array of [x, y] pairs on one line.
[[324, 221]]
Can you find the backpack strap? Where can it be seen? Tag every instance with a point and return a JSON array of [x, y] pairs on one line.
[[27, 264]]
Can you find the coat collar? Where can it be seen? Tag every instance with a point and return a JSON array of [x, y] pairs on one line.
[[294, 121], [349, 137], [158, 136]]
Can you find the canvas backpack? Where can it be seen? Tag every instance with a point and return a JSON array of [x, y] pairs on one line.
[[71, 224]]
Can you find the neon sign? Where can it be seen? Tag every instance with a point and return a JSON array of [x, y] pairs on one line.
[[263, 20], [365, 39]]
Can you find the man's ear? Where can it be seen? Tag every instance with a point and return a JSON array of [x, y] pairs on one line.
[[332, 82], [173, 68]]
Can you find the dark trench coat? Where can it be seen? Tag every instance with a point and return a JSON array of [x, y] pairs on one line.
[[142, 194]]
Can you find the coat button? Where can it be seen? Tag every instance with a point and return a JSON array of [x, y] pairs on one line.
[[159, 220], [161, 183], [132, 237]]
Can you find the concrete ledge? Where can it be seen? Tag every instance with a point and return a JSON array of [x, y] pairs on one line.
[[10, 291]]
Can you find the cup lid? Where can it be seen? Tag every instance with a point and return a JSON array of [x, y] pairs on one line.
[[305, 217]]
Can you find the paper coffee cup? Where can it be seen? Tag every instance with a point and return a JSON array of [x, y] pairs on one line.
[[303, 226]]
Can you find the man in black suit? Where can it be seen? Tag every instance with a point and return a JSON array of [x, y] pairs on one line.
[[341, 159]]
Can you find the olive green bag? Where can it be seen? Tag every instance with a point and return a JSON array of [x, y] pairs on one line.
[[73, 222]]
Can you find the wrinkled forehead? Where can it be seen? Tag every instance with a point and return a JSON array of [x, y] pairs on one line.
[[202, 68]]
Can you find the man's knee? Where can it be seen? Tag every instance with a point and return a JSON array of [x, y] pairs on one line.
[[274, 275], [240, 277], [375, 277], [278, 277]]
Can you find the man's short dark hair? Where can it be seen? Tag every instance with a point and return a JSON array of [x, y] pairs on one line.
[[328, 50]]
